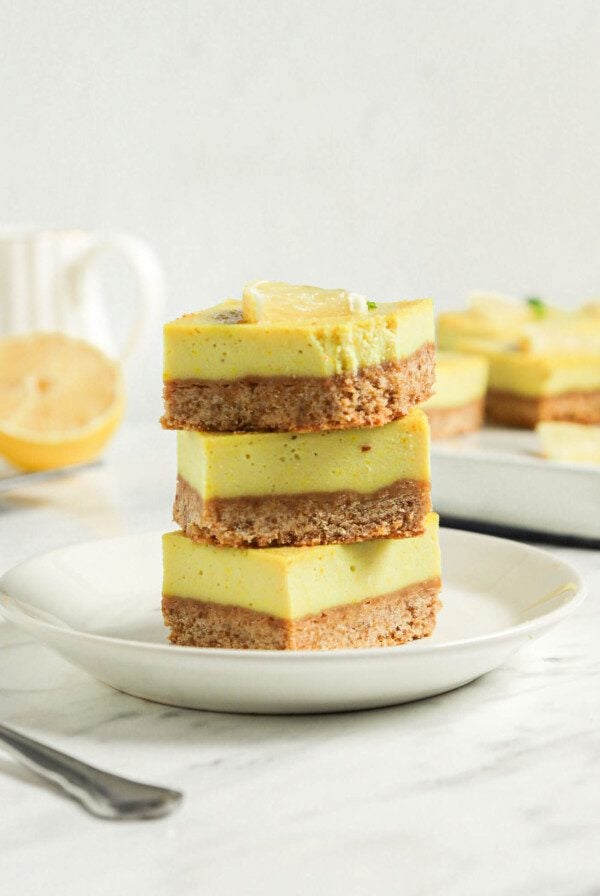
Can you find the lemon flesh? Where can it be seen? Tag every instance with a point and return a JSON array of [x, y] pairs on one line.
[[61, 399], [266, 301]]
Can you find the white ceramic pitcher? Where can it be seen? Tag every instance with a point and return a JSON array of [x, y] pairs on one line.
[[47, 282]]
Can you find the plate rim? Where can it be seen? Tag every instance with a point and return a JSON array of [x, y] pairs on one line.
[[10, 605]]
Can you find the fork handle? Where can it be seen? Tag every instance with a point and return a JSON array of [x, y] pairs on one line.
[[101, 793]]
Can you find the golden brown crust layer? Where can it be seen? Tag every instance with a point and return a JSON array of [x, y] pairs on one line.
[[446, 422], [372, 397], [305, 519], [515, 410], [385, 621]]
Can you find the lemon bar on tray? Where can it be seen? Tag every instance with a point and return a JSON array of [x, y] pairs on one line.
[[544, 362], [458, 401]]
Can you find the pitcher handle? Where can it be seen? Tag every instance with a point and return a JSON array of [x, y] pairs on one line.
[[146, 267]]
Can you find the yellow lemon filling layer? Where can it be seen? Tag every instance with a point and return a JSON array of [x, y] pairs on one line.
[[290, 583], [232, 465], [459, 379], [217, 344], [536, 376]]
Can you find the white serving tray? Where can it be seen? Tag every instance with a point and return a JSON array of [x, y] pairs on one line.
[[496, 477]]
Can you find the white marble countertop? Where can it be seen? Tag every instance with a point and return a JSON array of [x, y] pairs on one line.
[[492, 789]]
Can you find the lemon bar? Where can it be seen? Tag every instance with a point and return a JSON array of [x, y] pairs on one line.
[[544, 362], [261, 489], [367, 594], [525, 389], [458, 401], [223, 373]]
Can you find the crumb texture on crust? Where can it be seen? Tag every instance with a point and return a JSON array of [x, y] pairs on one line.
[[384, 621], [372, 397], [304, 519], [446, 422], [517, 410]]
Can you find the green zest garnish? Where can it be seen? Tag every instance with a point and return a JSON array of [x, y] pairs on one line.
[[371, 305], [538, 306]]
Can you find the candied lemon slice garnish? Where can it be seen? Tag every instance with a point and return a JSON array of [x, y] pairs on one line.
[[564, 334], [266, 301], [498, 306]]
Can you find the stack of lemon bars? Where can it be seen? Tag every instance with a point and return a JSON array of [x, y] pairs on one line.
[[303, 490]]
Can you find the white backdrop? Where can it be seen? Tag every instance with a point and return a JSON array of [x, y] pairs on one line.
[[397, 148]]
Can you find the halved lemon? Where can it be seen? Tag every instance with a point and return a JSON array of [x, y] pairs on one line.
[[61, 399], [266, 301]]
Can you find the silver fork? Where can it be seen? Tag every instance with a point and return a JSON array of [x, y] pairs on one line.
[[101, 793]]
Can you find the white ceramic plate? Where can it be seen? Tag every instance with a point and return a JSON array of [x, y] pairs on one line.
[[496, 476], [98, 605]]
